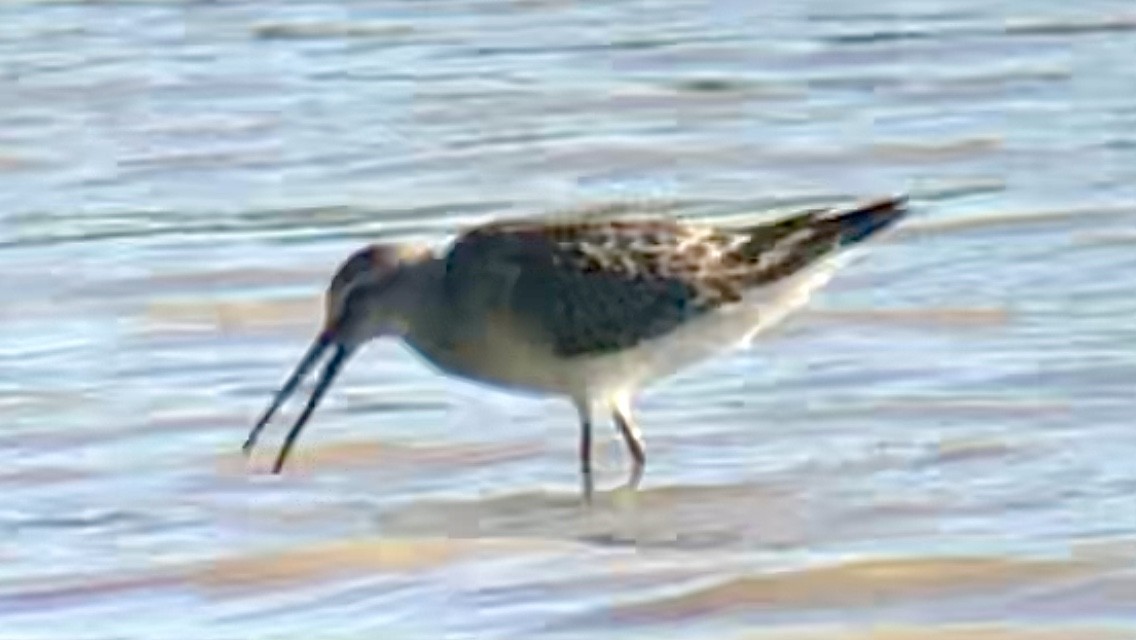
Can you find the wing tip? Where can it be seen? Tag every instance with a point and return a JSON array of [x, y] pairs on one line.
[[864, 221]]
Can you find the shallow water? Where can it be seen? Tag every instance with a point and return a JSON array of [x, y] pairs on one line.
[[940, 446]]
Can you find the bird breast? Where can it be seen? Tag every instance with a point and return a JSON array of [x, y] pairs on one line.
[[493, 350]]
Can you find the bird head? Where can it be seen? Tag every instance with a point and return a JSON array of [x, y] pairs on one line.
[[363, 298], [362, 302]]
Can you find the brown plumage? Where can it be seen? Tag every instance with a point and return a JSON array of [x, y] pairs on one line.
[[599, 286]]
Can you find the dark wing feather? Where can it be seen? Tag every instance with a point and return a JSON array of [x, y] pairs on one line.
[[596, 287]]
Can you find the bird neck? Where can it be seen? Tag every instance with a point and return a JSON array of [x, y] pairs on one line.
[[423, 309], [435, 325]]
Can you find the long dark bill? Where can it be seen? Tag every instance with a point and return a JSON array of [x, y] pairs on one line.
[[327, 376], [306, 363]]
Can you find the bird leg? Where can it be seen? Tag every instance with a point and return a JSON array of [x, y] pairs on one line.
[[585, 451], [634, 440]]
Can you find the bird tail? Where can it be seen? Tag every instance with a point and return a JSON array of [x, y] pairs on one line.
[[782, 248]]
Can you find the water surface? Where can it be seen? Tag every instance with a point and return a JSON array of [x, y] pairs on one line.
[[941, 446]]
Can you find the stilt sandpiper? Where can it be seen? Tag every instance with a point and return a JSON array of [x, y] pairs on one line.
[[590, 309]]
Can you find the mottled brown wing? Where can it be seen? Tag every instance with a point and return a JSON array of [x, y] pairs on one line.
[[593, 288]]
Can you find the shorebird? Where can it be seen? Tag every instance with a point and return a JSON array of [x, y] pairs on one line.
[[591, 309]]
